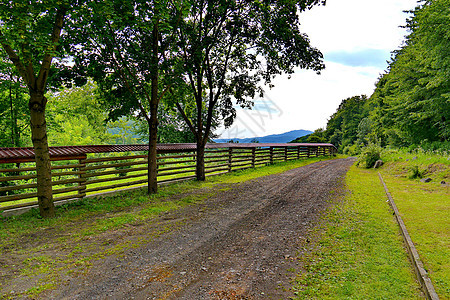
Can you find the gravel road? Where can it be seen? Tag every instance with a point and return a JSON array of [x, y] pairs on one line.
[[241, 243]]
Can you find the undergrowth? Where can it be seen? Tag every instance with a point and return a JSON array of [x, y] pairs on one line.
[[418, 164]]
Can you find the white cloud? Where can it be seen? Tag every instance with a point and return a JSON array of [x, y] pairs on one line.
[[307, 100], [353, 25]]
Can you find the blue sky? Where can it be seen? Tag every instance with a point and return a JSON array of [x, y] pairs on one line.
[[356, 38], [359, 58]]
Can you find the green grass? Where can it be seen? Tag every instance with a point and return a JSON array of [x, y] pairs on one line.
[[425, 208], [358, 253], [46, 249], [417, 165]]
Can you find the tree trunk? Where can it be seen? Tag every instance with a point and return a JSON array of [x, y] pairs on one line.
[[17, 142], [200, 166], [153, 124], [38, 124], [152, 143]]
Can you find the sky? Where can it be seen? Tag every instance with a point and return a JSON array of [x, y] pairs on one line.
[[356, 38]]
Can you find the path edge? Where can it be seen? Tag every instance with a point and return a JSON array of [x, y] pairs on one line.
[[421, 273]]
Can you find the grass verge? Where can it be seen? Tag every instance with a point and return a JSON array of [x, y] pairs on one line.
[[36, 254], [425, 208], [358, 253]]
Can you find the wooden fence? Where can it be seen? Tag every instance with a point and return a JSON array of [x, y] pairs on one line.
[[84, 171]]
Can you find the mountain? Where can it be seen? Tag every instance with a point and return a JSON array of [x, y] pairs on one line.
[[273, 138]]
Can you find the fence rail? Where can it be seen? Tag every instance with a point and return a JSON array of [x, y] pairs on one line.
[[82, 171]]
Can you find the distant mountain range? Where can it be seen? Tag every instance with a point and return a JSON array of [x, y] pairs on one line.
[[273, 138]]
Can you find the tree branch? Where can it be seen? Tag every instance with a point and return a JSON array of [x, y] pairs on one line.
[[17, 63], [186, 119], [47, 60]]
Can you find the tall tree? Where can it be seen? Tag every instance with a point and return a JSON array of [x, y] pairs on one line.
[[413, 98], [127, 47], [228, 47], [30, 32], [342, 127]]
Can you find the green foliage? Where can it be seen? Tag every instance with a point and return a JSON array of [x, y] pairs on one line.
[[369, 155], [411, 102], [14, 119], [436, 147], [415, 173], [302, 139], [171, 128], [317, 136], [76, 117], [220, 70], [344, 127], [123, 131], [27, 27], [124, 67], [352, 150]]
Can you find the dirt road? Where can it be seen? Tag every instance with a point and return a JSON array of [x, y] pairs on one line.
[[239, 244]]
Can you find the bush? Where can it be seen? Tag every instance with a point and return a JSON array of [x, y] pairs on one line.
[[369, 155], [416, 173], [352, 150]]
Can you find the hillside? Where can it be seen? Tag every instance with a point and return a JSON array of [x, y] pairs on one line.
[[273, 138]]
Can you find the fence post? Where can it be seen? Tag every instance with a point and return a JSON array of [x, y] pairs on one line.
[[253, 156], [298, 152], [271, 155], [230, 157], [285, 153], [82, 177]]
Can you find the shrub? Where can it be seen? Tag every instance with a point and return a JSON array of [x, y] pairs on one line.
[[352, 150], [416, 173], [369, 155]]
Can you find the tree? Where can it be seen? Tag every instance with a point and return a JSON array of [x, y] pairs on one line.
[[412, 99], [342, 127], [171, 127], [127, 47], [317, 136], [228, 47], [30, 32], [302, 139], [75, 116]]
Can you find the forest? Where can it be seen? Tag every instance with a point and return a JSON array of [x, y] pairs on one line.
[[410, 106]]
